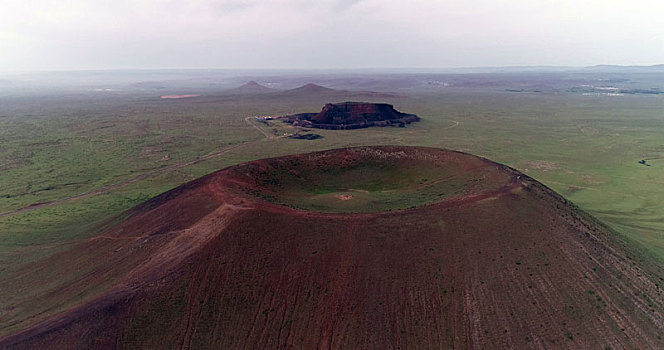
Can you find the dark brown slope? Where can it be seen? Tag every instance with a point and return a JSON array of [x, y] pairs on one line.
[[502, 263]]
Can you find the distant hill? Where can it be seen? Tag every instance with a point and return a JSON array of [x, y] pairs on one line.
[[310, 89], [250, 88]]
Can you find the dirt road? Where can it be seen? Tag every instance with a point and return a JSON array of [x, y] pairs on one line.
[[268, 136]]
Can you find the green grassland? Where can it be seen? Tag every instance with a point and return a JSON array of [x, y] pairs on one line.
[[586, 148]]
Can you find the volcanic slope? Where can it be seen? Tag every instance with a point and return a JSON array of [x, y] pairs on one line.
[[371, 247]]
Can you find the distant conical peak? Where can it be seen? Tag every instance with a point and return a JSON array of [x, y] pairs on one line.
[[251, 87], [312, 86]]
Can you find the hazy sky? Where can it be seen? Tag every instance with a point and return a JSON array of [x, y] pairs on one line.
[[95, 34]]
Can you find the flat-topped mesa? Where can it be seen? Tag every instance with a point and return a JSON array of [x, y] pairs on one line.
[[352, 115]]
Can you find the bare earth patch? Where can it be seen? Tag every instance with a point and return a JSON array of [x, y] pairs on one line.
[[542, 165], [344, 197]]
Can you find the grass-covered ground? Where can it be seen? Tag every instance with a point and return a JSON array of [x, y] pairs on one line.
[[585, 147]]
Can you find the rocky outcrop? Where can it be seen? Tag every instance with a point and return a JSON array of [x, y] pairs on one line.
[[352, 115]]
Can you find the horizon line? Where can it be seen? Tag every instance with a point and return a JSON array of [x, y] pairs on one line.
[[455, 68]]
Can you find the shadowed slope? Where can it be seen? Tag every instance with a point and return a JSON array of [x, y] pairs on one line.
[[502, 262]]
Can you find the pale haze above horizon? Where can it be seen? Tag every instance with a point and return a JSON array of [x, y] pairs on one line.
[[288, 34]]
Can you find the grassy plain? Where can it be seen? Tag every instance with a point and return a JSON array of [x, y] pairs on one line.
[[585, 147]]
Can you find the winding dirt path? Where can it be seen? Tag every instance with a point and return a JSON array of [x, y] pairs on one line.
[[267, 135], [456, 123]]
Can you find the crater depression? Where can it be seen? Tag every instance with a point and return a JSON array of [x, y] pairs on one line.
[[366, 179]]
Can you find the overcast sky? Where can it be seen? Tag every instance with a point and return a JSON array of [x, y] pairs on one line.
[[95, 34]]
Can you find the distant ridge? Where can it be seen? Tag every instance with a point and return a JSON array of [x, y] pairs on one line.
[[626, 66], [632, 68], [312, 89]]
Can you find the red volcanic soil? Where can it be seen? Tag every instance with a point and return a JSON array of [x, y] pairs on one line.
[[505, 263], [171, 97]]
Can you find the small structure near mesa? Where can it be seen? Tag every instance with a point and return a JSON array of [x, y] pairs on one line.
[[351, 115]]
